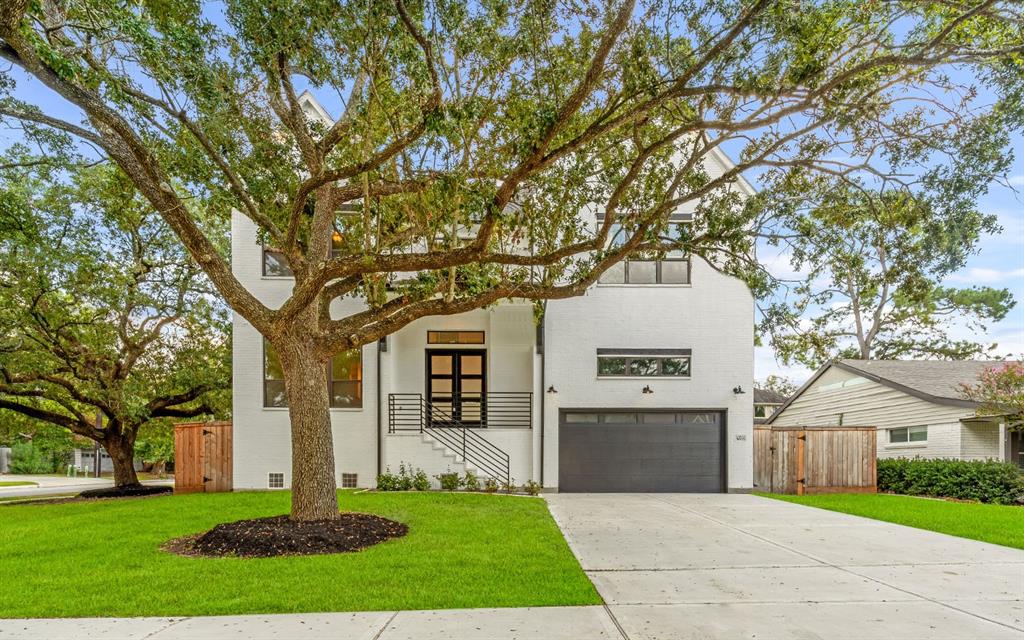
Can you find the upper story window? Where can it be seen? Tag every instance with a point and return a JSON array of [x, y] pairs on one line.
[[664, 363], [345, 379], [275, 263], [764, 410], [674, 268], [908, 434]]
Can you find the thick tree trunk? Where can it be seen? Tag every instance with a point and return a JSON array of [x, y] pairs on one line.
[[314, 489], [121, 450]]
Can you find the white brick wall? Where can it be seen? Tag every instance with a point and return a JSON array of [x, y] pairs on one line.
[[713, 317]]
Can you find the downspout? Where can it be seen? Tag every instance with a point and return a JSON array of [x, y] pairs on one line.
[[380, 422]]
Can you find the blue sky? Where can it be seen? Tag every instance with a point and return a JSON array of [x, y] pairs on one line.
[[998, 263]]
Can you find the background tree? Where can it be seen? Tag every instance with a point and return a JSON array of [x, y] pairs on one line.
[[103, 312], [472, 135], [873, 265], [999, 392], [778, 384]]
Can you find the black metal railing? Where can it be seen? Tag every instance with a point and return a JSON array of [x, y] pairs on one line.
[[411, 412], [494, 410]]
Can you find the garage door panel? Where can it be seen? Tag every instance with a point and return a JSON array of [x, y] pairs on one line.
[[644, 452]]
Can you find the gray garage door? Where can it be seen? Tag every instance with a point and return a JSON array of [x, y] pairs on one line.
[[641, 451]]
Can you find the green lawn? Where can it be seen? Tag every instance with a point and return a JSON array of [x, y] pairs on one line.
[[16, 483], [993, 523], [103, 559]]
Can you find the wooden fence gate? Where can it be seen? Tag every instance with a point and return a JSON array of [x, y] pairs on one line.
[[808, 460], [202, 457]]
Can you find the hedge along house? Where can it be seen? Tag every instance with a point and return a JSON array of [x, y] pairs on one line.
[[915, 404], [631, 387]]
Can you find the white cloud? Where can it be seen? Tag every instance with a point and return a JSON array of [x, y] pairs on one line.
[[979, 275], [1016, 181]]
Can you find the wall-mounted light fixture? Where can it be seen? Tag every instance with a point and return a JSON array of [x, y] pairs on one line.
[[552, 389], [647, 389], [738, 390]]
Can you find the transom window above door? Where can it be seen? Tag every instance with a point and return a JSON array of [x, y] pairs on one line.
[[455, 337]]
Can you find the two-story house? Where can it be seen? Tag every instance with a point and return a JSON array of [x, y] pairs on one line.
[[635, 386]]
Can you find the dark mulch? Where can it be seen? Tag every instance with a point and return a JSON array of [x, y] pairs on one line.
[[132, 491], [280, 536]]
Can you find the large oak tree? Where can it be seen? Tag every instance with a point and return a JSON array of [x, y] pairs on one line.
[[107, 327], [473, 134]]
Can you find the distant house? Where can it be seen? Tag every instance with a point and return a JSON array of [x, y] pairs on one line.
[[766, 402], [916, 405]]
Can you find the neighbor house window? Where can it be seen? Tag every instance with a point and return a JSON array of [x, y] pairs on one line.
[[455, 337], [908, 434], [670, 363], [673, 268], [345, 379]]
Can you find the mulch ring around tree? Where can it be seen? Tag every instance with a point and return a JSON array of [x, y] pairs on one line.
[[281, 536], [132, 491]]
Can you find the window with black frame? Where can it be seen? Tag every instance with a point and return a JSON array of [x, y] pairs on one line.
[[344, 379], [672, 268], [660, 363], [275, 262]]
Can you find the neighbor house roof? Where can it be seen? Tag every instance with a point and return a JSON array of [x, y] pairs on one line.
[[936, 381], [767, 396]]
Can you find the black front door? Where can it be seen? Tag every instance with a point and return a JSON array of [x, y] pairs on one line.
[[456, 386]]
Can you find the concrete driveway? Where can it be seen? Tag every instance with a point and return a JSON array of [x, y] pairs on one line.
[[677, 566]]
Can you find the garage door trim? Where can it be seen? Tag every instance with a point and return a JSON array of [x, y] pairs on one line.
[[723, 428]]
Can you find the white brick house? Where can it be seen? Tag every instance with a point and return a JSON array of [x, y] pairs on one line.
[[631, 387]]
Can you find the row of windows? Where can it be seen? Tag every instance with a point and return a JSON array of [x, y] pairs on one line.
[[345, 370], [644, 366]]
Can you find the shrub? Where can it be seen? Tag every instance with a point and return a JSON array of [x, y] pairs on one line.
[[405, 481], [490, 485], [26, 458], [420, 480], [984, 481], [532, 488], [387, 481], [450, 481], [471, 482], [509, 486]]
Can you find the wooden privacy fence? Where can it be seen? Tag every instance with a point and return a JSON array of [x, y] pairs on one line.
[[807, 460], [202, 457]]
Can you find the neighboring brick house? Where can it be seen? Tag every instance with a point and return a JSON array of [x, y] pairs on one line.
[[916, 405], [629, 387], [766, 402]]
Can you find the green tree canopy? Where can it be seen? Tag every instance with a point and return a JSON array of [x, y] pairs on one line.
[[101, 309], [873, 265]]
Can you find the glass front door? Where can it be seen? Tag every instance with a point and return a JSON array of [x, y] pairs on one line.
[[456, 386]]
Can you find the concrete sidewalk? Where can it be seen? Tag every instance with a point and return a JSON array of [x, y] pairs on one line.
[[547, 623]]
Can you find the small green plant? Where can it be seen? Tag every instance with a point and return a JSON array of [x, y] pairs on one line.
[[405, 480], [27, 458], [387, 481], [532, 488], [490, 485], [471, 482], [420, 480], [509, 486], [450, 481]]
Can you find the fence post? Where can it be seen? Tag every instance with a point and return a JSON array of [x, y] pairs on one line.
[[801, 451]]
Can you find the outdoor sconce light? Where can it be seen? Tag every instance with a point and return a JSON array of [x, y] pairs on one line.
[[738, 390], [552, 389], [647, 389]]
